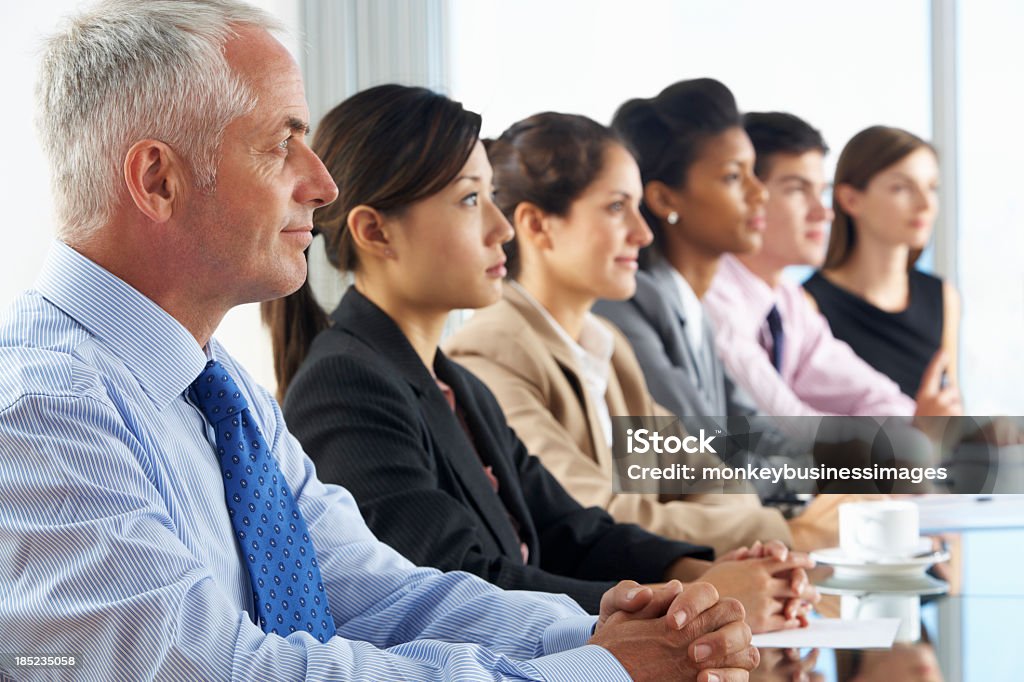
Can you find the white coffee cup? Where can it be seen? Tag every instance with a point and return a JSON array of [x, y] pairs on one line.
[[886, 529], [870, 606]]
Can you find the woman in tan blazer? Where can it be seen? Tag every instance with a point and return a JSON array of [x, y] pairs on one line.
[[560, 372]]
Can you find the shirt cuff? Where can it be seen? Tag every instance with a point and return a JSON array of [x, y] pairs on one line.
[[589, 662], [567, 633]]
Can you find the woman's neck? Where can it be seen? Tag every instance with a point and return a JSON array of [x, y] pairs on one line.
[[697, 266], [421, 327], [568, 308], [877, 273]]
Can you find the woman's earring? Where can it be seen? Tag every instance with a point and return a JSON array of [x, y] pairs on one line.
[[672, 218]]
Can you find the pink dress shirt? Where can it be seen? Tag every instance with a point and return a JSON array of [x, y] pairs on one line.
[[820, 374]]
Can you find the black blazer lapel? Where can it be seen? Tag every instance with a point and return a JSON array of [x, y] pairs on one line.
[[453, 444], [487, 442], [662, 291]]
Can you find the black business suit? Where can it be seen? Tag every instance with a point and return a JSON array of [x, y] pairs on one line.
[[372, 418]]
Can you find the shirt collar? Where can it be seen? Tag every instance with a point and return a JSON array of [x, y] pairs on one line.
[[596, 344], [693, 310], [159, 352]]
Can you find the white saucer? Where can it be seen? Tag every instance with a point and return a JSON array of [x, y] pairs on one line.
[[917, 585], [846, 565]]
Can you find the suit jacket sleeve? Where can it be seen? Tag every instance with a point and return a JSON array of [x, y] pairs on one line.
[[370, 438], [669, 384], [586, 542], [672, 386], [721, 521]]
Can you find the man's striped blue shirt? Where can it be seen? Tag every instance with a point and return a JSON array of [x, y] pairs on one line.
[[115, 543]]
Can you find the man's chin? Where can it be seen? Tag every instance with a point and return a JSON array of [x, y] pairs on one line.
[[291, 288], [285, 285]]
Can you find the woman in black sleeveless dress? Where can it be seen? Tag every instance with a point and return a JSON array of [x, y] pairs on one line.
[[900, 320]]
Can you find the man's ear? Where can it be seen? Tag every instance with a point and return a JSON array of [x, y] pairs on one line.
[[155, 177], [369, 235], [532, 225], [848, 198], [661, 200]]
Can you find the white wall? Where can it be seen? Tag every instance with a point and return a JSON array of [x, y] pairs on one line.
[[991, 233], [24, 179], [513, 59]]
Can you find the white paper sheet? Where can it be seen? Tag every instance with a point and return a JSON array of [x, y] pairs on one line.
[[833, 633]]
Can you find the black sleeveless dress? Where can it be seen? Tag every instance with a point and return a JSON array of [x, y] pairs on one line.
[[899, 345]]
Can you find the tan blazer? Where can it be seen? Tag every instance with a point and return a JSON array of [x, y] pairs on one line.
[[516, 352]]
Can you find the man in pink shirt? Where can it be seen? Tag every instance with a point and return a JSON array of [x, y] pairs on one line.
[[772, 340]]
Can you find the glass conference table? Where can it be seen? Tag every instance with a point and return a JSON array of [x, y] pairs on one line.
[[973, 635], [959, 638]]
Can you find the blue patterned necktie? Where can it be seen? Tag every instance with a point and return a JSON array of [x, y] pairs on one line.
[[286, 585], [778, 338]]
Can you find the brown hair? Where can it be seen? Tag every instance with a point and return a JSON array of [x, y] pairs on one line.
[[778, 133], [386, 147], [548, 160], [867, 154]]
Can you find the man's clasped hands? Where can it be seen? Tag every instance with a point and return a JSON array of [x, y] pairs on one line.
[[702, 630]]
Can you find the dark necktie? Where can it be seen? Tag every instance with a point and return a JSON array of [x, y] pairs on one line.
[[778, 338], [286, 585]]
